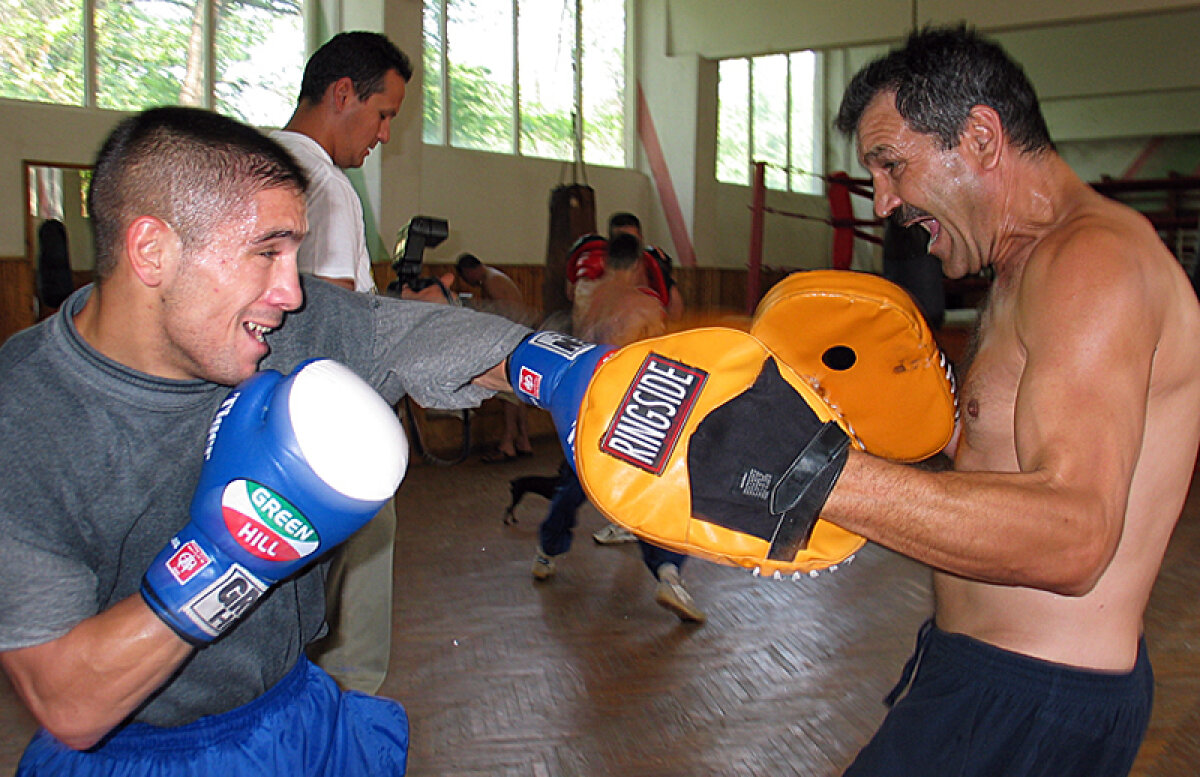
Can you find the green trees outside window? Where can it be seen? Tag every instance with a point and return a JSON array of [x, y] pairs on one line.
[[243, 58], [528, 77]]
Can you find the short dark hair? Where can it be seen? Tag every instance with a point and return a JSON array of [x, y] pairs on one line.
[[190, 167], [624, 251], [938, 76], [623, 219], [467, 262], [364, 57]]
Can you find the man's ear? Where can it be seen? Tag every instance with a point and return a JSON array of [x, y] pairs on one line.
[[983, 137], [150, 248], [340, 93]]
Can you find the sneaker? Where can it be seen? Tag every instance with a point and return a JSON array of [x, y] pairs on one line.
[[613, 535], [671, 594], [543, 566]]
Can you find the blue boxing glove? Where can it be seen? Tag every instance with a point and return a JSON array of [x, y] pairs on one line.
[[294, 465], [552, 370]]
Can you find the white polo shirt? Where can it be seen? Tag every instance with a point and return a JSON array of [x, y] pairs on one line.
[[336, 245]]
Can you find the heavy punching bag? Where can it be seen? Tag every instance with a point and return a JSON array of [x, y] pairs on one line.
[[572, 213]]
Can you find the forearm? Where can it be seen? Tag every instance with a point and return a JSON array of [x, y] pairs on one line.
[[495, 379], [86, 682], [1021, 529]]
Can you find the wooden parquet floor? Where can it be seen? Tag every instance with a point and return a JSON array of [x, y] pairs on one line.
[[584, 676]]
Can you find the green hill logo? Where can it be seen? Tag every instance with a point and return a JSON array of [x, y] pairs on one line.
[[265, 524]]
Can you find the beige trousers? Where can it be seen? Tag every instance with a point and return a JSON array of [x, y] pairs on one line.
[[358, 607]]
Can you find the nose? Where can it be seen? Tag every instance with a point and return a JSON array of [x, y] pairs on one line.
[[385, 131], [285, 291], [885, 200]]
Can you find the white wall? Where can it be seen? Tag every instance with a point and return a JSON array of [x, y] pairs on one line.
[[48, 133], [711, 28], [670, 87], [787, 241], [499, 206], [1114, 78]]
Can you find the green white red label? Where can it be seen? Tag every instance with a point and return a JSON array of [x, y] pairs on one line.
[[265, 524]]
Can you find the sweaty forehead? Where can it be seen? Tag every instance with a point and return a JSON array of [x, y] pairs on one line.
[[277, 212], [881, 129]]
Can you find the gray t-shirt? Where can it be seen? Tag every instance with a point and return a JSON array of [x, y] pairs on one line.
[[100, 462]]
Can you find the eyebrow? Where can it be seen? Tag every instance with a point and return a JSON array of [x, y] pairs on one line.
[[876, 152], [279, 234]]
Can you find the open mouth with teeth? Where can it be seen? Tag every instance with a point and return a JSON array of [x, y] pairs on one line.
[[258, 331], [930, 225]]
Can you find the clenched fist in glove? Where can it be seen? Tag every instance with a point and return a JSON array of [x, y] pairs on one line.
[[552, 371], [293, 466]]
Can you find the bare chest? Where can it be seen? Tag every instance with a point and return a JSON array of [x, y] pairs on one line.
[[987, 399]]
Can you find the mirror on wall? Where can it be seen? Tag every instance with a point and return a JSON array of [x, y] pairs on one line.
[[58, 234]]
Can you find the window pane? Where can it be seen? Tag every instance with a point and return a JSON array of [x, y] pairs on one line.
[[149, 52], [770, 117], [547, 49], [260, 60], [481, 76], [805, 127], [46, 193], [431, 64], [42, 55], [733, 121], [604, 82]]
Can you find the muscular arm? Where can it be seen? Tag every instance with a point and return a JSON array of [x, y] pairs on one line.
[[1050, 510], [87, 681]]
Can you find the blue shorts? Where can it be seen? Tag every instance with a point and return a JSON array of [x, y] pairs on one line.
[[974, 709], [304, 725]]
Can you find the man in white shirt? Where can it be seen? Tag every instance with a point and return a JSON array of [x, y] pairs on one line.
[[352, 89]]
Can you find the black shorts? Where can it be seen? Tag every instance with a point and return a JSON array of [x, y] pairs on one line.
[[974, 709]]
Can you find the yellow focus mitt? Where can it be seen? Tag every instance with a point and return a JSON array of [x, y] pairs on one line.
[[862, 343], [705, 443]]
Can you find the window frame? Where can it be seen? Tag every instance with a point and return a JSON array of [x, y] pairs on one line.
[[445, 131], [800, 176]]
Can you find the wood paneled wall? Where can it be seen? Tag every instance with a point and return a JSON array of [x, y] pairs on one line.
[[18, 304]]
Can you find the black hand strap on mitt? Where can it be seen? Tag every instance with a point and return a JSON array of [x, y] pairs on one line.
[[801, 493], [745, 474]]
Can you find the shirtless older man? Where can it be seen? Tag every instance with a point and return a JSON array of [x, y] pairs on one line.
[[1078, 438]]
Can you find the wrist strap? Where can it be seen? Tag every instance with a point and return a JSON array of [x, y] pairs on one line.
[[800, 494]]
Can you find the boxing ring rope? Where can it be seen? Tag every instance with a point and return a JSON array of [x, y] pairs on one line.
[[838, 189]]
